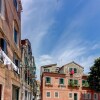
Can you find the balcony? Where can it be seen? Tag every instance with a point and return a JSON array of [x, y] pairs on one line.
[[4, 59], [85, 85], [72, 84]]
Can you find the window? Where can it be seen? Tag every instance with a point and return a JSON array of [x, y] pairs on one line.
[[16, 60], [61, 81], [48, 80], [15, 4], [56, 95], [3, 45], [46, 70], [15, 36], [75, 70], [70, 69], [25, 95], [0, 91], [15, 93], [48, 94], [83, 81], [89, 96], [2, 8], [75, 81], [70, 95], [95, 96]]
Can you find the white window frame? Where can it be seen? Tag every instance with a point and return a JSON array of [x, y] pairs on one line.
[[2, 13], [89, 95], [69, 95], [54, 94], [46, 94]]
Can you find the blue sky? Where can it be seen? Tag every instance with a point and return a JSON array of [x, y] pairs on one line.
[[62, 31]]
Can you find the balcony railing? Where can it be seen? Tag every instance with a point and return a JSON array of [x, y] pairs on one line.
[[72, 84], [7, 61], [85, 85]]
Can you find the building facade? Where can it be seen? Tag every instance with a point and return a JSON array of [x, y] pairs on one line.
[[10, 53], [65, 83], [38, 94], [28, 71], [17, 65]]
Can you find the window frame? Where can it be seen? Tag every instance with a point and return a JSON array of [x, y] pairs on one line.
[[95, 94], [73, 68], [46, 70], [47, 95], [60, 81], [69, 95], [55, 94], [3, 44], [88, 95], [2, 10], [46, 80], [15, 2], [15, 36]]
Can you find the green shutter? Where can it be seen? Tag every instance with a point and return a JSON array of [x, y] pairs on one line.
[[48, 80], [83, 81], [61, 81], [70, 69], [75, 70], [75, 81]]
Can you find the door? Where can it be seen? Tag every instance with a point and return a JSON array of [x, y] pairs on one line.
[[75, 96], [0, 91]]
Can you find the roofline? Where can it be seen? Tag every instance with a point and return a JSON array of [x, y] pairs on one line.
[[50, 65], [70, 63]]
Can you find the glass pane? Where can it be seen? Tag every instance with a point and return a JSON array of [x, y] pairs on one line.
[[75, 70], [70, 95], [48, 79], [76, 81], [48, 94], [56, 94], [61, 81]]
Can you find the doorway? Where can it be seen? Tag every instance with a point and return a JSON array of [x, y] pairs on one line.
[[0, 91], [75, 96]]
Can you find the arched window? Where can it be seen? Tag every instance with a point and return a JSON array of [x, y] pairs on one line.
[[3, 45]]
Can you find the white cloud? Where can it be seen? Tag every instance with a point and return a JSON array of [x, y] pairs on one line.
[[37, 19]]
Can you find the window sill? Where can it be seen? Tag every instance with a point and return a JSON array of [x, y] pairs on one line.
[[48, 84], [61, 85]]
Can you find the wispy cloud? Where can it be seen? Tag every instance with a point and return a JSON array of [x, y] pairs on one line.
[[38, 20]]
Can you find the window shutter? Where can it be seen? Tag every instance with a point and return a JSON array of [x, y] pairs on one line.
[[70, 69], [83, 81], [75, 70], [3, 45], [15, 35], [76, 81]]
